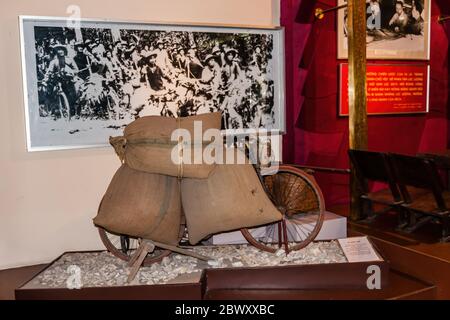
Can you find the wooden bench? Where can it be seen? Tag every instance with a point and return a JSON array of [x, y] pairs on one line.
[[430, 205]]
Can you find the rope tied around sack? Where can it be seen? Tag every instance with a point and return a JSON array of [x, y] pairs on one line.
[[119, 144]]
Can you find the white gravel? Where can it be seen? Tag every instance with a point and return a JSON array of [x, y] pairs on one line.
[[98, 269]]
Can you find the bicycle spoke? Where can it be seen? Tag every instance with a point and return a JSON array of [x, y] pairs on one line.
[[302, 194], [291, 185], [294, 239], [301, 203], [297, 229], [307, 219]]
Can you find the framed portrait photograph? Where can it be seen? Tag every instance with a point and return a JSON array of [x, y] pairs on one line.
[[396, 29], [84, 83]]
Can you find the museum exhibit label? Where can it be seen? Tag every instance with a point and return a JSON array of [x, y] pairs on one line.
[[391, 89]]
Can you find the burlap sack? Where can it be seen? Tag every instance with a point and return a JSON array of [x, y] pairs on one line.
[[147, 146], [231, 198], [143, 205]]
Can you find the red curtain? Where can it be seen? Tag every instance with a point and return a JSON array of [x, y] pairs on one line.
[[315, 134]]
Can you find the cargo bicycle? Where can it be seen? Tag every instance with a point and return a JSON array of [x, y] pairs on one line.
[[293, 191]]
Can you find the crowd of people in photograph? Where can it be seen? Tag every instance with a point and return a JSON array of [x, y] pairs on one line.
[[105, 74]]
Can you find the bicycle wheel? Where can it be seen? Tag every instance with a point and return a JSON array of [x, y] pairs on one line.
[[123, 246], [299, 199]]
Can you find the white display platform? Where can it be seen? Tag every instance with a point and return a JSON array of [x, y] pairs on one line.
[[334, 227]]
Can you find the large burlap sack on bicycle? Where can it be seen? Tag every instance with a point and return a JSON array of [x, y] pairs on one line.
[[231, 198], [147, 146], [143, 205]]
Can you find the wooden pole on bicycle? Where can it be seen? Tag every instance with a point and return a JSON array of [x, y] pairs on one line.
[[138, 258], [182, 251], [147, 246], [356, 92]]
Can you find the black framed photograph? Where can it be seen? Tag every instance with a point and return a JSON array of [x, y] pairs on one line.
[[396, 29], [84, 83]]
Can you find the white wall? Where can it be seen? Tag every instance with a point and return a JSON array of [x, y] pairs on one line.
[[47, 199]]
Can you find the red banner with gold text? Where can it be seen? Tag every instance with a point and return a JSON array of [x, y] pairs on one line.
[[391, 89]]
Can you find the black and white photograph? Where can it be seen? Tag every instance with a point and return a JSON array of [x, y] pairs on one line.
[[84, 84], [396, 29]]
